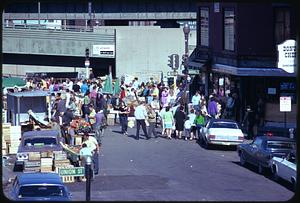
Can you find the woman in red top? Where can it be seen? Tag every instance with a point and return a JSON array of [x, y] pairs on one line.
[[122, 94]]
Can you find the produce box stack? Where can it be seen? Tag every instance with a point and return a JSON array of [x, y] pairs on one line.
[[110, 119], [14, 139], [60, 159], [78, 140], [4, 147], [5, 137], [33, 164], [46, 164]]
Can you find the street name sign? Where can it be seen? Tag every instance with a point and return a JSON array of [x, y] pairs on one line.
[[74, 171], [287, 56], [285, 104]]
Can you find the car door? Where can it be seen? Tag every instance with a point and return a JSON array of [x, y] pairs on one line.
[[287, 169], [262, 156], [204, 130], [253, 150]]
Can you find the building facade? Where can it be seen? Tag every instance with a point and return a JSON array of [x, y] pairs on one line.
[[237, 51]]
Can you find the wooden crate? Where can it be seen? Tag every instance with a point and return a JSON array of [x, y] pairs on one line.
[[78, 140], [61, 163], [12, 150], [31, 169], [46, 168], [46, 162], [34, 156]]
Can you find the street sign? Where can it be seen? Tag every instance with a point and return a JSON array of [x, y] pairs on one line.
[[287, 56], [87, 63], [74, 171], [285, 104]]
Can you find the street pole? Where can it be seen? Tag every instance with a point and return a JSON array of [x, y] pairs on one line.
[[186, 31], [39, 11], [88, 163]]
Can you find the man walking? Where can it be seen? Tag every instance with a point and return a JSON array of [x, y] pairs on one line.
[[140, 114]]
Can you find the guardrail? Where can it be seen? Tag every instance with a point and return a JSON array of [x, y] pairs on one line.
[[72, 28]]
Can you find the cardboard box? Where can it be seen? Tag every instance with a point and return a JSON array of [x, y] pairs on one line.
[[78, 140], [34, 156], [46, 162], [12, 150]]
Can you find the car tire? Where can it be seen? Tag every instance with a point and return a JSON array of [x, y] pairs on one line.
[[275, 176], [260, 169], [242, 159], [206, 145]]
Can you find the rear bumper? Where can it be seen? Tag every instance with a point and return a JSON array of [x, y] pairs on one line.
[[224, 142]]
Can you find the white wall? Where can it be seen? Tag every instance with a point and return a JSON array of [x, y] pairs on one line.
[[143, 51]]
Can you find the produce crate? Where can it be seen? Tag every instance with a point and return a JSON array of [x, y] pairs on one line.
[[12, 149], [33, 156], [31, 169], [31, 164], [46, 162], [46, 168], [61, 163], [78, 140], [60, 155]]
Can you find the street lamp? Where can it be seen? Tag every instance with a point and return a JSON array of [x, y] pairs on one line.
[[88, 174], [186, 31]]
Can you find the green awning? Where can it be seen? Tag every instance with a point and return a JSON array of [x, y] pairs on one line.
[[12, 82]]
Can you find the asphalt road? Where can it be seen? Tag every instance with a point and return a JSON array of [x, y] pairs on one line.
[[174, 170]]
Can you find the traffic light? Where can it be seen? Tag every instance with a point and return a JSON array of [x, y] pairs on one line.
[[176, 61], [171, 61], [87, 53]]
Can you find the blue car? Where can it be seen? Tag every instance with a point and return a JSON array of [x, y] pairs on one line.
[[39, 187]]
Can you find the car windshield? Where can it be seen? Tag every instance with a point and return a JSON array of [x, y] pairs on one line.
[[42, 191], [40, 141], [280, 145], [224, 125]]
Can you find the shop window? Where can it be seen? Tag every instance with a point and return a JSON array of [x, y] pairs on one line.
[[204, 26], [282, 25], [229, 29]]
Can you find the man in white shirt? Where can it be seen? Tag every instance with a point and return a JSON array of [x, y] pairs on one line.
[[135, 83], [196, 101], [92, 143], [140, 114]]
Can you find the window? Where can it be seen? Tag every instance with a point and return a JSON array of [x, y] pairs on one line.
[[224, 125], [229, 31], [204, 26], [40, 141], [42, 191], [282, 25], [281, 145]]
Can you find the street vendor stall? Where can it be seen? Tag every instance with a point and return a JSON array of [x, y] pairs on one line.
[[19, 103]]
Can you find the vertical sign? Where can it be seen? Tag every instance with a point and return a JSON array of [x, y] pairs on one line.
[[287, 56], [285, 104]]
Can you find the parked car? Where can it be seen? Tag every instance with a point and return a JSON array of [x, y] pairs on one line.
[[285, 168], [221, 132], [263, 149], [39, 187], [36, 141]]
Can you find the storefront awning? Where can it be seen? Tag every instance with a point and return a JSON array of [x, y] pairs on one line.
[[238, 71], [196, 65]]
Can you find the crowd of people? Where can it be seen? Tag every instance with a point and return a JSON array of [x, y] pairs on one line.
[[150, 103]]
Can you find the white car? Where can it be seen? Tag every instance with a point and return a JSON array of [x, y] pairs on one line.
[[221, 132], [285, 168]]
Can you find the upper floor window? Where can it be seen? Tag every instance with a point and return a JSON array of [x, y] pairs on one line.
[[229, 29], [282, 25], [204, 26]]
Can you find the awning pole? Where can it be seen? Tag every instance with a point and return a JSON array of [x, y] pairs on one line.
[[18, 103]]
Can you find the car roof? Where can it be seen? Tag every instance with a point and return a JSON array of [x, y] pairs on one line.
[[39, 178], [40, 133], [276, 138], [223, 120]]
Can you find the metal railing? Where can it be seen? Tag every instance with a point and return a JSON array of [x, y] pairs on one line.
[[72, 28]]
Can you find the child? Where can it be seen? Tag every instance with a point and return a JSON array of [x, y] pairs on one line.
[[187, 128]]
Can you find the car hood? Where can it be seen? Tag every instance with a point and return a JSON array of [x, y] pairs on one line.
[[40, 149], [225, 131], [43, 199]]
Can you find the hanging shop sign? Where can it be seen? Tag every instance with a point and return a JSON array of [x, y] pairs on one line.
[[287, 56]]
